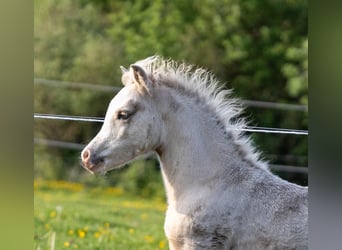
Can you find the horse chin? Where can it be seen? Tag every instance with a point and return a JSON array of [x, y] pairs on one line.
[[98, 169], [95, 169], [105, 168], [107, 165]]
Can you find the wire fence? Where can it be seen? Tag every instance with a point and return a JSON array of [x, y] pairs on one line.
[[101, 119], [113, 89]]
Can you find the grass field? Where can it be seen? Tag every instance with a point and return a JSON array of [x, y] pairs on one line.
[[71, 216]]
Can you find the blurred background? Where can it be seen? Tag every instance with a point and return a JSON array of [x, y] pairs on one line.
[[257, 47]]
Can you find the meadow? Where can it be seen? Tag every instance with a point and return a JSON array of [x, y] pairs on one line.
[[72, 216]]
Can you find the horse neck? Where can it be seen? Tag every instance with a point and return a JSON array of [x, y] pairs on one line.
[[195, 147]]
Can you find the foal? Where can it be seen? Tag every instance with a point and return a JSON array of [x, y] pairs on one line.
[[219, 194]]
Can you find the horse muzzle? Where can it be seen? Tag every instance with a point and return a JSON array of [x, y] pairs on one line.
[[91, 161]]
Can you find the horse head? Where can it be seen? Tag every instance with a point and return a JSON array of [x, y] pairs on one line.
[[131, 128]]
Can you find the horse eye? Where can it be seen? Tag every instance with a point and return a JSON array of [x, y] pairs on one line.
[[123, 115]]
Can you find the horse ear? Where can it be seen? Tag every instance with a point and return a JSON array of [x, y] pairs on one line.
[[123, 69], [141, 78], [126, 77]]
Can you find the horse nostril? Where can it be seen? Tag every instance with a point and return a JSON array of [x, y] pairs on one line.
[[86, 155], [91, 159]]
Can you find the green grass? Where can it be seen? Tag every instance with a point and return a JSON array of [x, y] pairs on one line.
[[70, 216]]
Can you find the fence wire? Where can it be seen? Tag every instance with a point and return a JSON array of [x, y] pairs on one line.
[[114, 89], [101, 119]]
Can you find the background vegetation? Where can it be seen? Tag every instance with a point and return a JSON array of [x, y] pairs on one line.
[[257, 47]]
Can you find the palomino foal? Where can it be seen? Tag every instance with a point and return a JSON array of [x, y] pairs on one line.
[[219, 194]]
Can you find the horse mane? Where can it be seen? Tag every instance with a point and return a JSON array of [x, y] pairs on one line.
[[203, 84]]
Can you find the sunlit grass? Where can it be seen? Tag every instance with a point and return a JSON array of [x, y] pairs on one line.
[[71, 216]]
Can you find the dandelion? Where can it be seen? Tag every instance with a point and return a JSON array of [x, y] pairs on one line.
[[81, 234], [131, 230], [53, 214], [97, 234], [75, 246], [161, 244], [67, 244], [71, 232], [106, 224], [47, 226]]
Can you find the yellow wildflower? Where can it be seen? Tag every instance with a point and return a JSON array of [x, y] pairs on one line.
[[97, 234], [71, 232], [81, 234], [131, 230], [66, 244], [161, 244], [53, 214]]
